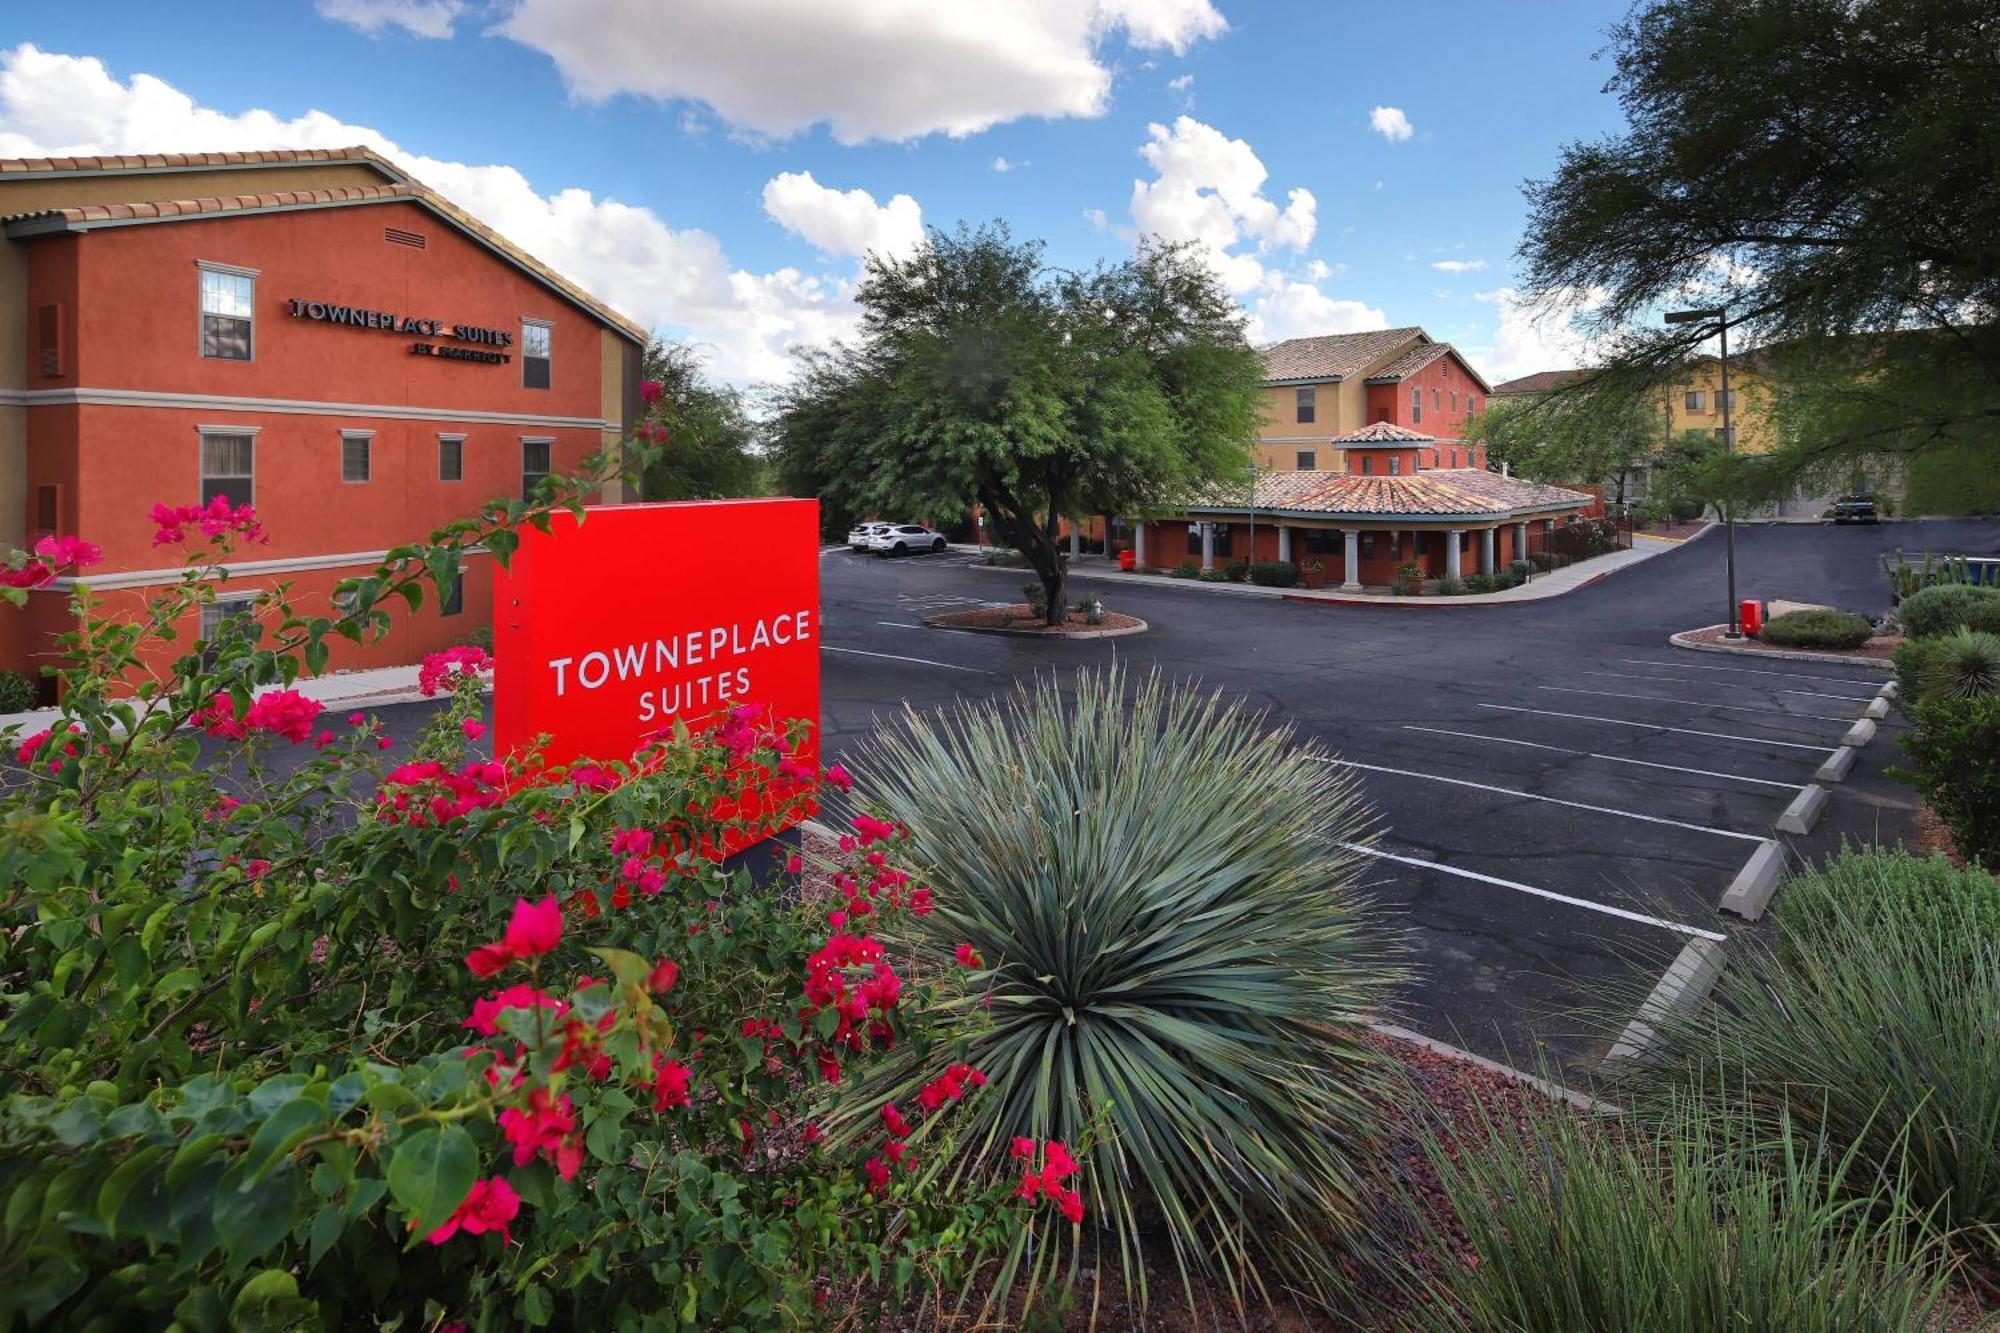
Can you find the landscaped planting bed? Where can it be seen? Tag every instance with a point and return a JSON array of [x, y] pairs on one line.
[[1021, 618]]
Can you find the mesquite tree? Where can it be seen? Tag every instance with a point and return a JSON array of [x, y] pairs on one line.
[[984, 376]]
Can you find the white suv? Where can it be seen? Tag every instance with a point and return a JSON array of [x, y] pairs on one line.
[[903, 538], [861, 534]]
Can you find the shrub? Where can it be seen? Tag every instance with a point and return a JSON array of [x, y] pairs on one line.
[[1006, 557], [1038, 598], [17, 692], [1963, 664], [1409, 581], [1520, 570], [1236, 571], [1171, 937], [1451, 587], [1274, 573], [1686, 1222], [1213, 576], [1543, 561], [1871, 1020], [1187, 569], [1817, 628], [1954, 750], [1943, 607], [1480, 583], [1684, 511], [295, 1017]]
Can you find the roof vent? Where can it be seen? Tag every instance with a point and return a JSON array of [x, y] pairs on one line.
[[397, 236]]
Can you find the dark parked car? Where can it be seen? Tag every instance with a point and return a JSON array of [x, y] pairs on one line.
[[1856, 509]]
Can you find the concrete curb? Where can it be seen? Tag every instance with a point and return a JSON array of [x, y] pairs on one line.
[[1877, 709], [1684, 640], [1836, 766], [1750, 892], [1582, 1101], [1890, 690], [1859, 734], [939, 622], [1805, 809], [1687, 982]]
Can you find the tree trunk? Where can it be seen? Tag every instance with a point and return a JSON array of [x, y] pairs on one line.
[[1036, 542]]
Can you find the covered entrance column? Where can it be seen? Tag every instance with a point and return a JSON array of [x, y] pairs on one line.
[[1521, 541], [1487, 559], [1452, 540], [1284, 542], [1139, 542], [1350, 569], [1208, 546]]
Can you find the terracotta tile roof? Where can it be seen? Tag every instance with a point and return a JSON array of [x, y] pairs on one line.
[[1409, 363], [16, 166], [1334, 356], [1383, 432], [1441, 493], [83, 217], [1539, 382]]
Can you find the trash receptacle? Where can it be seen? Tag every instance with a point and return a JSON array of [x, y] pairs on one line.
[[1751, 612], [1126, 560]]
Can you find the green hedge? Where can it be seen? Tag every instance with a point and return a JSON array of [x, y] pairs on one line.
[[1943, 607], [1816, 629], [17, 692], [1274, 573], [1865, 888], [1954, 754]]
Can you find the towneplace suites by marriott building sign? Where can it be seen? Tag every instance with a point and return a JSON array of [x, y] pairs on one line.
[[469, 341]]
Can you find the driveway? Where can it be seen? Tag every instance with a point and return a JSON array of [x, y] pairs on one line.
[[1562, 798]]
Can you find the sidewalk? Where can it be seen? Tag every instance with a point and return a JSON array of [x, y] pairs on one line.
[[1555, 583], [341, 690]]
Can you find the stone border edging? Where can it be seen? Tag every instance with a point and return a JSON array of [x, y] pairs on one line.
[[931, 622], [1682, 640], [1686, 983]]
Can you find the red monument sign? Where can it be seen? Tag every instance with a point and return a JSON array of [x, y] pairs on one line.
[[606, 632]]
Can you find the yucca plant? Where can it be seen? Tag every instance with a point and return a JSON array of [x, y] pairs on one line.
[[1164, 892], [1874, 1018], [1695, 1219], [1964, 664]]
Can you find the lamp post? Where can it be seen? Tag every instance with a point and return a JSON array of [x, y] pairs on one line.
[[1720, 317]]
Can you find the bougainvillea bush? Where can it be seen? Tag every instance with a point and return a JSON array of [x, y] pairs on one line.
[[303, 1025]]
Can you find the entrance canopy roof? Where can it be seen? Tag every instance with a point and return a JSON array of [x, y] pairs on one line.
[[1440, 494]]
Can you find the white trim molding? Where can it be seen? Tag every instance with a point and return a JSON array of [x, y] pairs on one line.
[[146, 578], [288, 406], [234, 270]]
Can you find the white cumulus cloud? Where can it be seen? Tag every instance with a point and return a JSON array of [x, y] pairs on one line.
[[54, 104], [1532, 336], [843, 222], [868, 69], [419, 18], [1459, 265], [1391, 123]]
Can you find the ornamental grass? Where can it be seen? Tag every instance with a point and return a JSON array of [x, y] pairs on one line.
[[1159, 903]]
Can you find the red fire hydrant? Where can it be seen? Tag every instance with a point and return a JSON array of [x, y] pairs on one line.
[[1126, 560], [1751, 612]]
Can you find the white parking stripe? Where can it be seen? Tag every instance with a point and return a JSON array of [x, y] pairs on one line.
[[1613, 758], [923, 661], [935, 629], [1659, 726], [1552, 800], [1699, 703], [1683, 680], [1641, 917], [1746, 671]]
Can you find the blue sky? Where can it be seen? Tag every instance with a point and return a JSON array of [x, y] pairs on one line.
[[716, 167]]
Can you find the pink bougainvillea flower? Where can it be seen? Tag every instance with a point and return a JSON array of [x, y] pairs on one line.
[[968, 956], [893, 1121], [663, 976], [486, 1010], [357, 719], [535, 928], [472, 728], [1023, 1148], [443, 670], [837, 775], [488, 959], [384, 743], [877, 1172], [1071, 1204], [545, 1128], [650, 390], [257, 868], [61, 551], [670, 1083], [795, 865], [321, 741], [490, 1206]]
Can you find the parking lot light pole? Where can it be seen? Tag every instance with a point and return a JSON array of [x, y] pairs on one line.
[[1720, 317]]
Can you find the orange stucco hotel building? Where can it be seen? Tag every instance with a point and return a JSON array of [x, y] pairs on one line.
[[313, 333]]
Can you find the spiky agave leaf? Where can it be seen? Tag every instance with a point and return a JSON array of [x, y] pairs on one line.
[[1166, 893]]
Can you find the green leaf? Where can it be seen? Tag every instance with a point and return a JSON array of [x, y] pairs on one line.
[[276, 1137], [326, 1233], [431, 1173], [628, 967], [537, 1307], [251, 1217], [119, 1184]]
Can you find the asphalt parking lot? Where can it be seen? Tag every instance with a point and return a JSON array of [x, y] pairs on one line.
[[1562, 798]]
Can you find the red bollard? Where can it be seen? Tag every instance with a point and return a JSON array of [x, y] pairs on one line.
[[1751, 612]]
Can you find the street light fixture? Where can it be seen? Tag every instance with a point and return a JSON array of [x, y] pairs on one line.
[[1719, 316]]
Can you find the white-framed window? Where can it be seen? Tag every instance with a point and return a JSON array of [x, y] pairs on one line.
[[356, 449], [537, 335], [228, 311], [536, 457], [1471, 407], [219, 613], [1416, 406], [1691, 400], [1725, 401], [451, 458], [1307, 460], [1395, 464], [1306, 403], [229, 463]]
